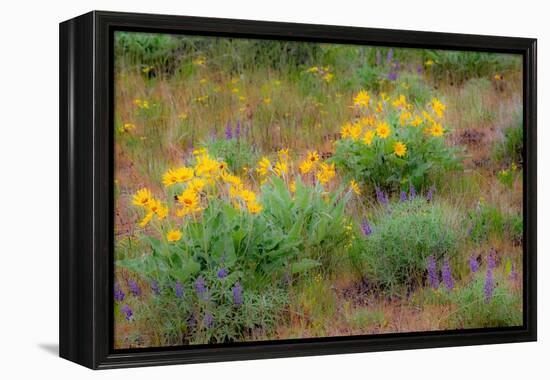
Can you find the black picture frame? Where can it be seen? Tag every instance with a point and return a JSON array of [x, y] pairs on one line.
[[86, 188]]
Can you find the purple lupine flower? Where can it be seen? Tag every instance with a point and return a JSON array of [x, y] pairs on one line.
[[513, 273], [366, 228], [491, 263], [447, 275], [222, 273], [237, 294], [419, 69], [381, 197], [433, 276], [378, 58], [392, 75], [119, 293], [134, 288], [474, 266], [128, 313], [155, 287], [403, 196], [238, 130], [207, 320], [430, 194], [228, 131], [389, 56], [179, 290], [488, 288], [397, 66], [412, 191], [200, 286]]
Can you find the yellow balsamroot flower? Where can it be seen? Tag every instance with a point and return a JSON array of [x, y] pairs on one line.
[[306, 166], [200, 152], [312, 156], [247, 195], [182, 116], [127, 127], [369, 136], [498, 77], [325, 173], [328, 77], [383, 130], [354, 186], [189, 199], [292, 186], [361, 99], [416, 121], [379, 107], [313, 69], [184, 174], [162, 212], [438, 107], [404, 117], [196, 185], [400, 102], [173, 235], [428, 117], [283, 154], [436, 130], [263, 166], [345, 131], [355, 131], [200, 61], [400, 149], [254, 207], [231, 179], [280, 168], [142, 197], [267, 101], [514, 166], [146, 219], [368, 121], [429, 62], [384, 97], [206, 166], [170, 178]]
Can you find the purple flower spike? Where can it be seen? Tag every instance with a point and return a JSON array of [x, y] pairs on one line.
[[155, 287], [397, 66], [419, 69], [228, 131], [513, 273], [392, 75], [222, 273], [366, 228], [134, 288], [412, 191], [488, 288], [378, 58], [179, 290], [403, 196], [430, 195], [200, 285], [119, 294], [128, 313], [491, 263], [381, 197], [237, 294], [389, 57], [474, 266], [433, 276], [447, 275], [238, 130], [208, 320]]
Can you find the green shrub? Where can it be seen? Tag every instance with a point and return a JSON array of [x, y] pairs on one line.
[[402, 239], [237, 153], [504, 308], [488, 220], [509, 150]]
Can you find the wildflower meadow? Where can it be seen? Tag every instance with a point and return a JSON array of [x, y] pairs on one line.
[[271, 190]]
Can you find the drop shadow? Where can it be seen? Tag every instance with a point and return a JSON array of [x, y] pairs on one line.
[[52, 348]]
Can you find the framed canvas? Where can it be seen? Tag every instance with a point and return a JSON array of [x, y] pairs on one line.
[[236, 189]]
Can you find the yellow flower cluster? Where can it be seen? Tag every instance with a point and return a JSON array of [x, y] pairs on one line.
[[142, 104], [323, 72], [143, 198]]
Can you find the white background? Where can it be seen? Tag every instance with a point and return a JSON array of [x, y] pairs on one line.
[[29, 187]]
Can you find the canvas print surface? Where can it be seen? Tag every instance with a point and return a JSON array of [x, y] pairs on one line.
[[270, 190]]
